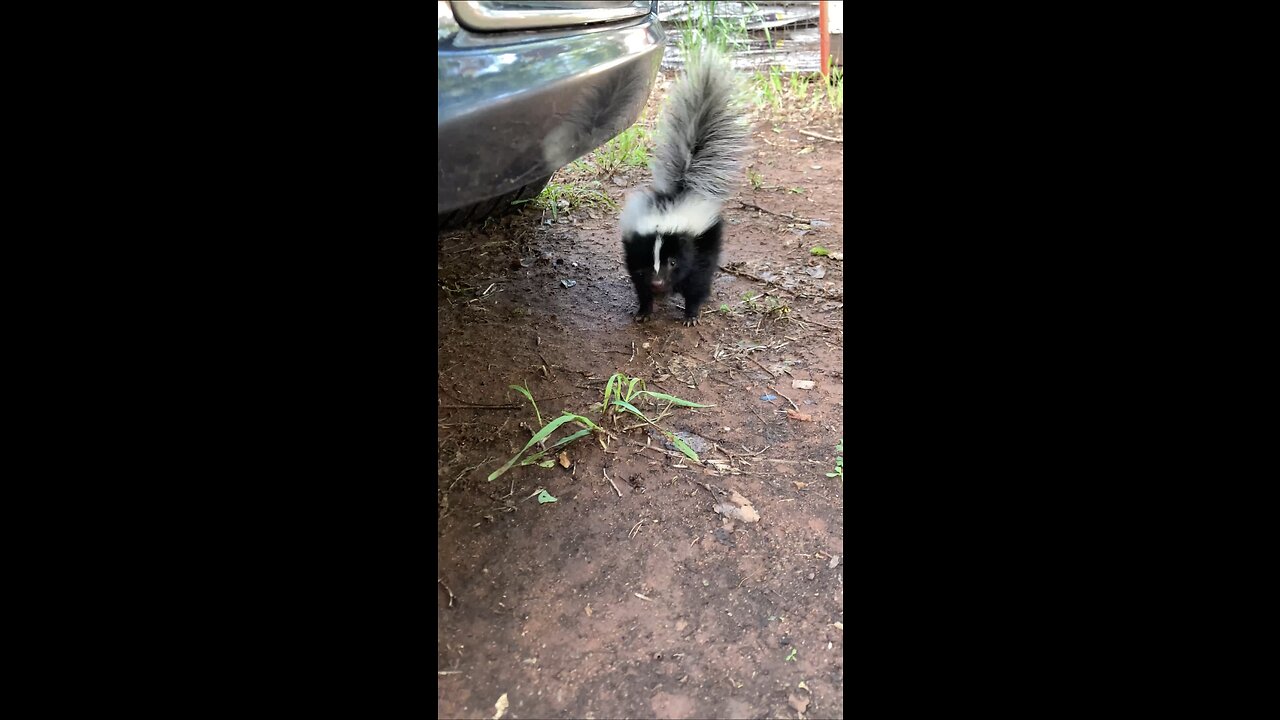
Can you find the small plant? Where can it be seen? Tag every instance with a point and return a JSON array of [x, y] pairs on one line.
[[835, 87], [799, 86], [775, 307], [701, 28], [524, 390], [775, 86], [819, 251], [796, 190], [620, 395], [630, 149], [724, 308], [839, 462], [558, 196], [757, 180], [542, 435]]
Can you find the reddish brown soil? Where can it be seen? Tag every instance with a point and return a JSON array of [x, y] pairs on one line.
[[545, 606]]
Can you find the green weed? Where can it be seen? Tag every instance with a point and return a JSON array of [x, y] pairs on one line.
[[542, 435], [701, 29], [629, 150], [757, 180], [559, 197], [795, 91], [839, 462], [524, 390], [621, 393]]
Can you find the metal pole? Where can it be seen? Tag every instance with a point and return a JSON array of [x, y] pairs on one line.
[[824, 42]]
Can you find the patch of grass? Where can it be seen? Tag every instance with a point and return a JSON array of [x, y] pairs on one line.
[[621, 393], [582, 166], [768, 88], [774, 88], [701, 28], [799, 86], [542, 435], [835, 88], [757, 180], [558, 197], [629, 150], [819, 251]]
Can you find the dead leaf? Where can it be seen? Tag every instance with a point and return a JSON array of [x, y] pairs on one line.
[[803, 384], [794, 415], [564, 460], [816, 272], [501, 707], [798, 704], [588, 609], [805, 150], [738, 508], [800, 485], [835, 560]]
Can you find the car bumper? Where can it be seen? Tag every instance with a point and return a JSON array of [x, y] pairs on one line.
[[512, 108]]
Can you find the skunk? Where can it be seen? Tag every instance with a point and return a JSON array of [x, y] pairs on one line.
[[671, 231]]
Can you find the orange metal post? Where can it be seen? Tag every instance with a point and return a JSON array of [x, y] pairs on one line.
[[824, 42]]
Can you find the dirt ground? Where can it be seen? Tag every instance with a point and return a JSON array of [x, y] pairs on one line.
[[631, 596]]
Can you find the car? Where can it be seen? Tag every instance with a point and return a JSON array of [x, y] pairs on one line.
[[525, 88]]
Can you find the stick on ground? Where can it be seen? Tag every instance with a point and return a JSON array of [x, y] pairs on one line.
[[606, 477]]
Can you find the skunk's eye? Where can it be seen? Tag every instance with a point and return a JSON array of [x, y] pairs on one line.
[[672, 261]]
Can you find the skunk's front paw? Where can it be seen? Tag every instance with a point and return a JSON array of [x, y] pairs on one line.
[[691, 321], [641, 316]]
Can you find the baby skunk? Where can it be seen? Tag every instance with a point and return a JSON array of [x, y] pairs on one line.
[[671, 232]]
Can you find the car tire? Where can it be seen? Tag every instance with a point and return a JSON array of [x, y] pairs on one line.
[[489, 208]]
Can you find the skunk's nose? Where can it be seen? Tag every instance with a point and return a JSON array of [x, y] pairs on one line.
[[656, 284]]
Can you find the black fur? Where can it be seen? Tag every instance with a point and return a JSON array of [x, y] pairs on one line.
[[687, 266]]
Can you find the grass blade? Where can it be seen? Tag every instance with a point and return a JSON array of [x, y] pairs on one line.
[[608, 389], [631, 389], [683, 446], [632, 409], [525, 392], [531, 459], [674, 400], [537, 438]]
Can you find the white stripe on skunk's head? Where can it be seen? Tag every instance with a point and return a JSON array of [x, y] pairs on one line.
[[688, 215]]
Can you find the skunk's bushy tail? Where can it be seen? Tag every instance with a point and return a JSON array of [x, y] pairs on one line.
[[703, 132]]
